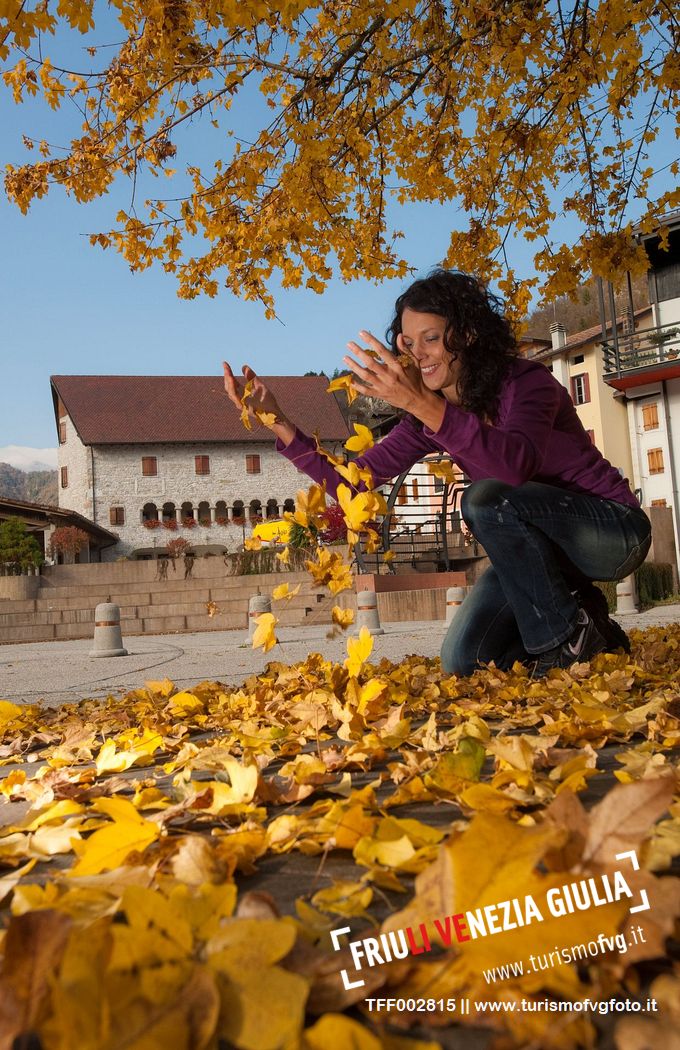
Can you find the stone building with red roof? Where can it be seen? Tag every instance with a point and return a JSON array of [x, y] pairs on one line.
[[151, 458]]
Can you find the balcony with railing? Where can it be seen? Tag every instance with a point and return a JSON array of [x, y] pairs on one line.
[[644, 356], [421, 531]]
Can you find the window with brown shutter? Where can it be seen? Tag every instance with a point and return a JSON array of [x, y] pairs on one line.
[[149, 466], [62, 431], [658, 503], [202, 464], [415, 489], [116, 515], [252, 464], [64, 477], [402, 496], [650, 416], [655, 460], [580, 389]]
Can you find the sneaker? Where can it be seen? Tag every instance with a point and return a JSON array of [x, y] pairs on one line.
[[583, 643], [594, 602]]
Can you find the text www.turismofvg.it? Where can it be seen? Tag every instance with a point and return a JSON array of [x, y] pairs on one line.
[[573, 953]]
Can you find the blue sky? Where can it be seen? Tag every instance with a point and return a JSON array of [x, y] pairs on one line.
[[70, 308]]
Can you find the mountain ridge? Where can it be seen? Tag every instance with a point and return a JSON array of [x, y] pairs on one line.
[[36, 486]]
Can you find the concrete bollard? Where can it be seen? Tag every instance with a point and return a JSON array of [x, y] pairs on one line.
[[454, 598], [257, 605], [367, 612], [626, 596], [108, 640]]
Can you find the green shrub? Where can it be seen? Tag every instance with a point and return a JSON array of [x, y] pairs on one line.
[[254, 563], [19, 550], [654, 582]]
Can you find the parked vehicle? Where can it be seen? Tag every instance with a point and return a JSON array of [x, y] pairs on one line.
[[275, 530]]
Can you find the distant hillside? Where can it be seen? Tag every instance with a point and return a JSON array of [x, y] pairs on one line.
[[38, 486], [583, 311]]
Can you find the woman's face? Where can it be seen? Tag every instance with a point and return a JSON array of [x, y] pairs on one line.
[[422, 338]]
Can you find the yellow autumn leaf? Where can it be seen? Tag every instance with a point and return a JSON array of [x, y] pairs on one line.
[[355, 474], [283, 556], [343, 383], [343, 617], [329, 570], [337, 1032], [358, 651], [267, 419], [162, 689], [11, 783], [185, 703], [344, 898], [245, 414], [9, 711], [443, 470], [361, 508], [265, 1010], [283, 591], [362, 439], [465, 764], [495, 860], [390, 853], [142, 746], [310, 506], [264, 635], [252, 543], [108, 848], [241, 787]]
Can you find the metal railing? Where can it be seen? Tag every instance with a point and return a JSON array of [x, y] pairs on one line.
[[640, 350], [421, 530]]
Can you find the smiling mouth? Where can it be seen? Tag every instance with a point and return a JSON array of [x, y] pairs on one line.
[[429, 370]]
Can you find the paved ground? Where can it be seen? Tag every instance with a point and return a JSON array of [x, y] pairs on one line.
[[61, 671]]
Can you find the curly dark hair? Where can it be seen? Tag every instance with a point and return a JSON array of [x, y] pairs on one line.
[[477, 332]]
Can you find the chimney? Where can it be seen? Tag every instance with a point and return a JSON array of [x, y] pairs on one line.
[[558, 335]]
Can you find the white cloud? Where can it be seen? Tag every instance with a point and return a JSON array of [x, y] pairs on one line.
[[24, 458]]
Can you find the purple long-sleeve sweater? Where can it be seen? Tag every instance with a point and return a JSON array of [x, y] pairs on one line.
[[538, 437]]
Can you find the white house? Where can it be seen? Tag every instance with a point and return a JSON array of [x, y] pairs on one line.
[[151, 458], [644, 368]]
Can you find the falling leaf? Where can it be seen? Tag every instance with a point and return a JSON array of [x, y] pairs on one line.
[[444, 470], [245, 412], [264, 635], [343, 383], [267, 419], [342, 617], [283, 591], [362, 440], [358, 651]]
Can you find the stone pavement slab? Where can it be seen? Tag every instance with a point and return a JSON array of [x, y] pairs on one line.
[[58, 672]]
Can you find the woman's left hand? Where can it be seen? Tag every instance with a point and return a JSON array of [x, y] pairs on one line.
[[382, 375]]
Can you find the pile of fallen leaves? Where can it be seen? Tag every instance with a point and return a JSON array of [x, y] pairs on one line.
[[135, 830]]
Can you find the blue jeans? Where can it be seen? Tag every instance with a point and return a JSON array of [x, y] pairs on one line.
[[538, 538]]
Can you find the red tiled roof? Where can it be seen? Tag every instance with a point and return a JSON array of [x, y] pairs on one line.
[[114, 410], [46, 513]]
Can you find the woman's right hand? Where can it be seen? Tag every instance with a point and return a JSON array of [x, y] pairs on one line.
[[261, 403]]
